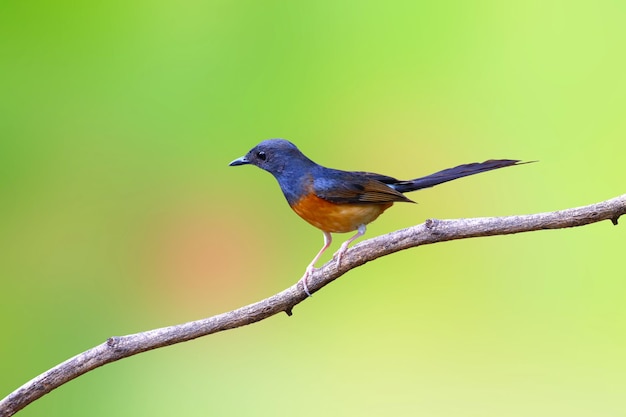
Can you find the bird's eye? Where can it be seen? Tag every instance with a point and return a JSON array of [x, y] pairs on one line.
[[261, 155]]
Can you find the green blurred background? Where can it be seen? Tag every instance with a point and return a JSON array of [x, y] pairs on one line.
[[119, 213]]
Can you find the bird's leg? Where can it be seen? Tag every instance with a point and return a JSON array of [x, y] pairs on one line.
[[344, 247], [309, 269]]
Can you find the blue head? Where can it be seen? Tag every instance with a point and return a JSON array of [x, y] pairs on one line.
[[279, 157]]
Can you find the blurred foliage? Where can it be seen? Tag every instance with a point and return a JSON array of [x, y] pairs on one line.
[[119, 214]]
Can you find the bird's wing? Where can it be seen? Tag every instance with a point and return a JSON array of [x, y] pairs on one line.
[[343, 187]]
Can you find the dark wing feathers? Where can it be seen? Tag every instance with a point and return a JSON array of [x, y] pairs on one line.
[[345, 187], [356, 187]]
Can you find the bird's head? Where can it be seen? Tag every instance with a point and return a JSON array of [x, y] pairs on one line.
[[272, 155]]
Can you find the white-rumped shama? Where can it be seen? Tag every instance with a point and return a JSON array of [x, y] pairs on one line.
[[337, 201]]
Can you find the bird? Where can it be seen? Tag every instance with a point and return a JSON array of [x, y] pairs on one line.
[[337, 201]]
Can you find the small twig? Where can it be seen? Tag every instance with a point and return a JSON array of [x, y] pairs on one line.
[[432, 231]]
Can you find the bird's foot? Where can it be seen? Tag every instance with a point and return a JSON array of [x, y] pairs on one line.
[[344, 246], [309, 270], [342, 250]]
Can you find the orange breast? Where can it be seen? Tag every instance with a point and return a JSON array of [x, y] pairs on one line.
[[337, 218]]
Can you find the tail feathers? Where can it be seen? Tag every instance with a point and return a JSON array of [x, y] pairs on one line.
[[453, 173]]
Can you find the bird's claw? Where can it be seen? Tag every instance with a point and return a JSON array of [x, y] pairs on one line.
[[309, 270], [340, 253]]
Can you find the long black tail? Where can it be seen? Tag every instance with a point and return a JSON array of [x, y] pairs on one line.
[[453, 173]]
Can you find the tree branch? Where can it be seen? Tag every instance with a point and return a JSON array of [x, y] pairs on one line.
[[432, 231]]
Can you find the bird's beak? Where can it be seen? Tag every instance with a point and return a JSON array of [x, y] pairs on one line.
[[239, 161]]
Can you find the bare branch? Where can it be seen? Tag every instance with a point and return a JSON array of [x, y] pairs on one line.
[[432, 231]]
